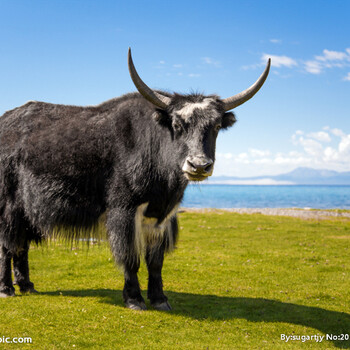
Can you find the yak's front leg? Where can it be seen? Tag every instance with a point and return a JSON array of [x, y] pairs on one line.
[[154, 260], [123, 240], [132, 292]]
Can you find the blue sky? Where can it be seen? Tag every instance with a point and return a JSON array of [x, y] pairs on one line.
[[75, 52]]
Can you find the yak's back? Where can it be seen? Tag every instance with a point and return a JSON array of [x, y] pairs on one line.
[[67, 140], [60, 139]]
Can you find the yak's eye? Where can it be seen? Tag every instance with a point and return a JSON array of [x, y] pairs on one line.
[[217, 127], [177, 126]]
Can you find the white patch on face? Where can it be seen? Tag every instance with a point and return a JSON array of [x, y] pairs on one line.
[[148, 233], [187, 110]]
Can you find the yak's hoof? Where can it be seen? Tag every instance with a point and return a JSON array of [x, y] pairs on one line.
[[26, 287], [134, 304], [29, 291], [162, 306], [7, 293]]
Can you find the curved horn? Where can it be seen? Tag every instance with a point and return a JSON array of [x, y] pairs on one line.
[[150, 95], [236, 100]]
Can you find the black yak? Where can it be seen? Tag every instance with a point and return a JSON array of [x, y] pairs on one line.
[[130, 157]]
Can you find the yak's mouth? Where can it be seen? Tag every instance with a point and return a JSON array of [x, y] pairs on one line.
[[195, 177]]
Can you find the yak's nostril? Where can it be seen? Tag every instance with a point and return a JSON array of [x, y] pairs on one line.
[[191, 165], [208, 167]]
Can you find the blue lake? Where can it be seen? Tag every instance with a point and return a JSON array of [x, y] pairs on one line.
[[253, 196]]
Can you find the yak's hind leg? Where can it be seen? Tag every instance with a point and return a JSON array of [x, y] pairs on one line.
[[154, 260], [6, 286], [121, 234], [21, 270], [15, 236]]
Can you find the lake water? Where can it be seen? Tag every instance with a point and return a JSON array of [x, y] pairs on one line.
[[253, 196]]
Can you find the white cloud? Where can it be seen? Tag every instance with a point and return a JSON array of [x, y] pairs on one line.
[[316, 149], [177, 65], [161, 62], [295, 161], [329, 55], [313, 67], [344, 145], [194, 75], [330, 154], [328, 59], [347, 77], [262, 161], [276, 41], [295, 136], [338, 132], [279, 61], [211, 61], [320, 136], [335, 157], [258, 153], [243, 155], [311, 146], [224, 155]]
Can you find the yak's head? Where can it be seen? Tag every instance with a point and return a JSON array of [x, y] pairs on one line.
[[195, 121]]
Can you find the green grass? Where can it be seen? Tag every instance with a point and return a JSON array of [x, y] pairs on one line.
[[235, 282]]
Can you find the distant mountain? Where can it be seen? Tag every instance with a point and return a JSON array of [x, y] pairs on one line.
[[299, 176]]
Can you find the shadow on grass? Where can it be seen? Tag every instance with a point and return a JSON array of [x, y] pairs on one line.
[[213, 307]]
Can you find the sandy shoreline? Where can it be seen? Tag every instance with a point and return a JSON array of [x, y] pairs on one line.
[[299, 213]]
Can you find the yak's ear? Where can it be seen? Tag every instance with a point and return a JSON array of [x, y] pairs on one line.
[[162, 117], [228, 120]]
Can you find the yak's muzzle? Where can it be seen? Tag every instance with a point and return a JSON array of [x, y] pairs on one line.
[[198, 168]]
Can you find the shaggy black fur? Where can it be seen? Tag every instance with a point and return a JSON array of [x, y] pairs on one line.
[[63, 166]]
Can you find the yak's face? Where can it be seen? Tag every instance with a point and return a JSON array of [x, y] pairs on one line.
[[194, 122]]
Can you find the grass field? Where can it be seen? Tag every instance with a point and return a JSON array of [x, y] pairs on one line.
[[235, 282]]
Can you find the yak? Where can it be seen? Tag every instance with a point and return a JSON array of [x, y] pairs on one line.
[[131, 157]]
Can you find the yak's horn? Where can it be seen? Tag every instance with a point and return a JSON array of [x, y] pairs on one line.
[[152, 96], [236, 100]]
